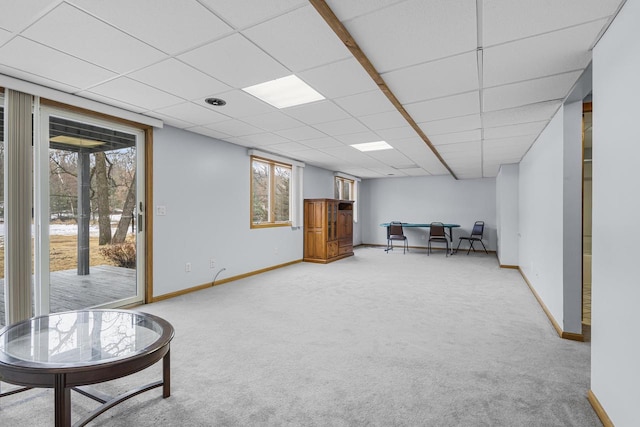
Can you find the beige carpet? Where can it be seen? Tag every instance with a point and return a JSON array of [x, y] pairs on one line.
[[372, 340]]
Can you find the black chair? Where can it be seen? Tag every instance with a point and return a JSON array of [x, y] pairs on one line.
[[396, 232], [476, 236], [437, 234]]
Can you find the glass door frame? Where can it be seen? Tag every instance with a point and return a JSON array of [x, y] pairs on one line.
[[42, 113]]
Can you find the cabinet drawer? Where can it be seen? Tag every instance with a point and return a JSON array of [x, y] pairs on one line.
[[346, 249], [332, 249]]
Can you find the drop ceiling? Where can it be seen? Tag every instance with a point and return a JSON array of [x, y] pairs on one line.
[[481, 78]]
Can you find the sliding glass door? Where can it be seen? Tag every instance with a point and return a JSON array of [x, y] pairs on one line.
[[89, 233]]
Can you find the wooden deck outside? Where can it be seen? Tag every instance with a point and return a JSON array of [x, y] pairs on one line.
[[104, 284]]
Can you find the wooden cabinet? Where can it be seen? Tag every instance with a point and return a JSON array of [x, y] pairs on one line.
[[328, 229]]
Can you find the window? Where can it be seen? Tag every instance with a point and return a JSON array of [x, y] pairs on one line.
[[344, 188], [270, 193]]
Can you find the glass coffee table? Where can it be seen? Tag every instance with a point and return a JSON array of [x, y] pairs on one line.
[[72, 350]]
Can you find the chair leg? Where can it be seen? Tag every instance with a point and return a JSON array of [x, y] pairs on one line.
[[428, 247], [485, 249], [470, 247], [459, 241], [446, 254]]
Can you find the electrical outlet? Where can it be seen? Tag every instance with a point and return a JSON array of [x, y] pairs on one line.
[[212, 263], [161, 210], [187, 267]]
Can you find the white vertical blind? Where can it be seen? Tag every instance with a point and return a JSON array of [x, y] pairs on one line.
[[18, 205]]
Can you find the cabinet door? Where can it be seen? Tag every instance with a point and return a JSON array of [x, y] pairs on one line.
[[345, 224], [332, 221]]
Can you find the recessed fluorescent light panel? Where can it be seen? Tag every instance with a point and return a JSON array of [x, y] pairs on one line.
[[284, 92], [372, 146], [78, 142]]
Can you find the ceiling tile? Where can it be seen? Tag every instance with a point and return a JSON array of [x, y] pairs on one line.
[[505, 20], [366, 103], [347, 10], [4, 36], [135, 93], [210, 132], [395, 133], [533, 128], [341, 127], [456, 137], [322, 142], [301, 133], [338, 79], [454, 124], [460, 150], [288, 147], [300, 39], [490, 170], [236, 61], [528, 113], [17, 14], [444, 108], [99, 43], [393, 158], [316, 112], [263, 139], [179, 79], [29, 56], [171, 120], [529, 92], [547, 54], [115, 102], [190, 23], [513, 146], [193, 113], [358, 138], [394, 37], [243, 13], [234, 128], [385, 120], [315, 156], [22, 75], [435, 79], [273, 121]]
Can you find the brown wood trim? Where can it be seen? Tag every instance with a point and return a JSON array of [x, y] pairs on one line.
[[343, 34], [148, 193], [515, 267], [271, 225], [91, 113], [220, 282], [556, 326], [180, 292], [587, 107], [600, 412], [572, 336]]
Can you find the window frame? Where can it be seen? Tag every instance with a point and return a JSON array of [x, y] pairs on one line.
[[342, 180], [271, 193]]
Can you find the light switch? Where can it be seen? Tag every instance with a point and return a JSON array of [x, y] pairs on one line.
[[161, 210]]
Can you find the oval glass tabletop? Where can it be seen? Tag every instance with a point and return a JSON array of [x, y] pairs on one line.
[[80, 338]]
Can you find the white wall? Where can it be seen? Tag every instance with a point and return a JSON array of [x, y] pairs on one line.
[[427, 199], [318, 183], [572, 217], [615, 348], [204, 185], [550, 250], [540, 208], [507, 222]]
